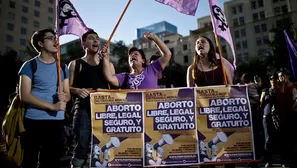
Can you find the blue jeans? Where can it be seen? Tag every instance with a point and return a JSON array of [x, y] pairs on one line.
[[82, 134]]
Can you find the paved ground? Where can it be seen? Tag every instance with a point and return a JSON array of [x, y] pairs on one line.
[[66, 160], [238, 166]]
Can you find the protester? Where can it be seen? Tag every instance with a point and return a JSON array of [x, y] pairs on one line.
[[206, 70], [284, 110], [253, 87], [257, 117], [268, 102], [163, 80], [5, 160], [141, 76], [45, 104], [85, 73]]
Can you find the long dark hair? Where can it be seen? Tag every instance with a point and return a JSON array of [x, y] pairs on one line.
[[211, 55]]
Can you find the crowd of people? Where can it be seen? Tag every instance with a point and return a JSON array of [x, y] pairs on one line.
[[273, 108]]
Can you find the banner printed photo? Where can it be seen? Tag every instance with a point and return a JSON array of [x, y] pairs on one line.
[[224, 124], [117, 129], [170, 127]]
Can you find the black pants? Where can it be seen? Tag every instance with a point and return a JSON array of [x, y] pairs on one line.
[[42, 143], [270, 134], [82, 133], [258, 134], [285, 138]]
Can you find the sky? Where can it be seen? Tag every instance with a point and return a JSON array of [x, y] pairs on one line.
[[102, 16]]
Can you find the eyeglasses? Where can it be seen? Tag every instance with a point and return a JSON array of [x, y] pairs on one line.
[[52, 38], [272, 79]]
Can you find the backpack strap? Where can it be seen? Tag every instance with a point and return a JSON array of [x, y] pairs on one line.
[[33, 65], [64, 70], [77, 70], [63, 67]]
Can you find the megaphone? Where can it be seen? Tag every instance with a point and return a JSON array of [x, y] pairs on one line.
[[221, 137], [166, 139], [114, 142]]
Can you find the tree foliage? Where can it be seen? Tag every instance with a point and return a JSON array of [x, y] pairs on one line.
[[9, 67], [74, 52], [280, 57], [253, 67], [176, 74], [30, 51], [120, 50]]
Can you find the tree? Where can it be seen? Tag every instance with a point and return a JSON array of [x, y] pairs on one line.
[[280, 58], [30, 50], [120, 50], [9, 76], [176, 74], [73, 52], [258, 68]]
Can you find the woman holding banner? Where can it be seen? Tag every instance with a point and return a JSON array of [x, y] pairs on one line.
[[141, 76], [206, 70]]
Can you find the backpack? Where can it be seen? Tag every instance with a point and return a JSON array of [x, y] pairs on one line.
[[13, 126]]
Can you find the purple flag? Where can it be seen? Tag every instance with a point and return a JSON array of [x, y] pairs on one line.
[[220, 25], [292, 50], [68, 20], [187, 7]]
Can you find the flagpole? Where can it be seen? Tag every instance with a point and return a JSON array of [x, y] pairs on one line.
[[59, 65], [290, 48], [59, 53], [116, 26], [221, 58]]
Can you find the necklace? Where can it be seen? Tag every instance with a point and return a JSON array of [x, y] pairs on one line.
[[206, 79]]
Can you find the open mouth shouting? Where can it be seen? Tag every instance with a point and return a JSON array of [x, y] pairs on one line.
[[133, 59], [95, 46]]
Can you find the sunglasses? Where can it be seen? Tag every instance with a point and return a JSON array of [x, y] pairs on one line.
[[272, 79]]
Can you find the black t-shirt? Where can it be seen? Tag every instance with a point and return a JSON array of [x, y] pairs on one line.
[[164, 83]]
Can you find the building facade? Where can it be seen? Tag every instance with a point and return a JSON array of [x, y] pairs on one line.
[[20, 19], [183, 48], [250, 22], [161, 29], [177, 44]]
